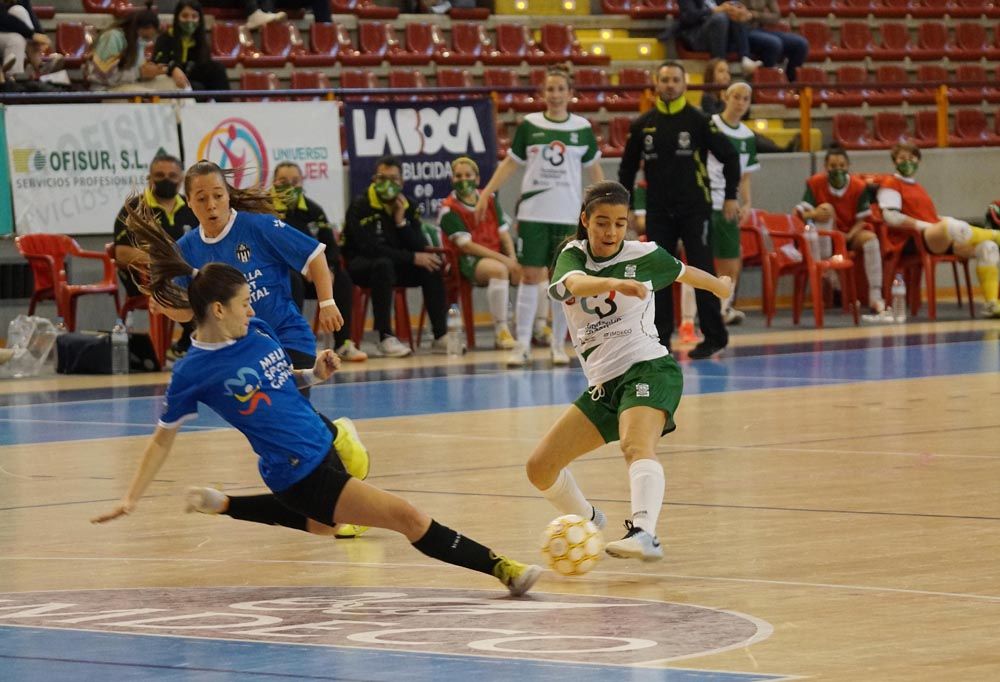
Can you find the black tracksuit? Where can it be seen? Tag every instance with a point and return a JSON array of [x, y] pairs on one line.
[[673, 150]]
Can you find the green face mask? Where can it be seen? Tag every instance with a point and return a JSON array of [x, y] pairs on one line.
[[289, 194], [907, 168], [187, 28], [464, 187], [837, 178], [387, 190]]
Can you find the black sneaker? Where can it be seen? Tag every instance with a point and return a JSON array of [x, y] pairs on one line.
[[705, 349]]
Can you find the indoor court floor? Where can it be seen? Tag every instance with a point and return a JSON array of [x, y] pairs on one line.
[[831, 513]]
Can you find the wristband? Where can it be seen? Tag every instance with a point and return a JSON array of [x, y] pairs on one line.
[[309, 375], [327, 303]]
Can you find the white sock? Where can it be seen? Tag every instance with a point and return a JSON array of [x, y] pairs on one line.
[[688, 304], [647, 482], [527, 301], [498, 294], [558, 325], [873, 269], [566, 496], [542, 311]]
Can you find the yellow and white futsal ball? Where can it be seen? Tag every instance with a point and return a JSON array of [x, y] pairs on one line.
[[572, 545]]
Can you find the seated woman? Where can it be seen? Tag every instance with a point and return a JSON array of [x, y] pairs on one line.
[[119, 63], [22, 41], [184, 50], [905, 204], [487, 250]]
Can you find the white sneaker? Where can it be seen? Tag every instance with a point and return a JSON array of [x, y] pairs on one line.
[[259, 17], [348, 352], [204, 500], [391, 347], [992, 309], [732, 316], [559, 357], [519, 358], [750, 65], [637, 544], [441, 7]]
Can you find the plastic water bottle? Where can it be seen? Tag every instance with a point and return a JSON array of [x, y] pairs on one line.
[[119, 348], [898, 299], [60, 329], [455, 346]]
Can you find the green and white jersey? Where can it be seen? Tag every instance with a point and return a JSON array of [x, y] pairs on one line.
[[610, 331], [745, 143], [554, 154]]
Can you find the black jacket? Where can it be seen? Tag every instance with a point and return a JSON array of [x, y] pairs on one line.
[[312, 221], [673, 149], [371, 232], [168, 50]]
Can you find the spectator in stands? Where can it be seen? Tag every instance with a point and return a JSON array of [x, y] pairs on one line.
[[555, 147], [119, 63], [716, 28], [716, 73], [384, 246], [173, 216], [305, 215], [771, 46], [906, 205], [672, 141], [184, 49], [487, 255], [835, 199], [21, 36]]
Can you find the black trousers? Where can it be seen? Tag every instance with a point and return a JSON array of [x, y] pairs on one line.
[[693, 229], [343, 295], [210, 75], [381, 275]]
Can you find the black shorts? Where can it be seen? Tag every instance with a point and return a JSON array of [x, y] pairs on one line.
[[316, 495]]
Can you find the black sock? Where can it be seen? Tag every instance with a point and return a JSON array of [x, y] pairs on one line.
[[265, 509], [444, 544]]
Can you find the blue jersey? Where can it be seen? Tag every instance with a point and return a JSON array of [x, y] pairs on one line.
[[263, 248], [249, 383]]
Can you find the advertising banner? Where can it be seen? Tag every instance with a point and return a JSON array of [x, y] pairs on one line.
[[73, 165], [252, 138], [426, 137], [6, 208]]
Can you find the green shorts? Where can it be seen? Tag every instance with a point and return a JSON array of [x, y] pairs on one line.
[[652, 383], [467, 266], [725, 236], [538, 243]]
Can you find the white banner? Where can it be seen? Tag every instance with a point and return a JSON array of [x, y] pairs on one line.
[[252, 138], [73, 165]]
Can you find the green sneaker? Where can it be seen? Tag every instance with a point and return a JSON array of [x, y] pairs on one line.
[[346, 531], [352, 451], [518, 577]]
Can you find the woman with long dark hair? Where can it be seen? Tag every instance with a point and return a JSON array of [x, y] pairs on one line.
[[184, 49], [238, 368]]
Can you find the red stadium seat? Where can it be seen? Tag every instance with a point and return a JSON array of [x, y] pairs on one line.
[[503, 140], [358, 79], [894, 42], [993, 53], [993, 91], [653, 9], [929, 9], [559, 43], [278, 40], [454, 78], [378, 39], [849, 97], [769, 76], [44, 11], [617, 136], [515, 41], [364, 9], [891, 127], [894, 88], [470, 44], [816, 77], [507, 78], [932, 42], [818, 36], [971, 130], [854, 8], [327, 39], [969, 94], [616, 6], [754, 252], [309, 80], [629, 100], [851, 131], [324, 47], [927, 73], [975, 8], [891, 9], [74, 40], [925, 128], [227, 47], [469, 13], [423, 43], [971, 43], [589, 100], [410, 80], [856, 42], [811, 8], [260, 80]]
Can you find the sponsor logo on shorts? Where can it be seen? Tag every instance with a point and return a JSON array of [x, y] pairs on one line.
[[642, 390]]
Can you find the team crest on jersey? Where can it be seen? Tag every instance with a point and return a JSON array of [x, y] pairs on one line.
[[684, 139], [243, 253], [555, 153], [245, 387], [630, 271], [647, 142], [574, 138], [278, 223], [642, 390]]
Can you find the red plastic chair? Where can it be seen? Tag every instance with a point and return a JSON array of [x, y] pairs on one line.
[[968, 94], [559, 43], [972, 130], [74, 40], [47, 253], [932, 42], [811, 8], [324, 46], [514, 41], [377, 39], [818, 36], [364, 9], [423, 42], [628, 100], [772, 76], [925, 129], [929, 9], [616, 6], [653, 9], [454, 78], [278, 39], [851, 131], [854, 8], [227, 46], [856, 42], [890, 9], [617, 136], [309, 80], [409, 80], [853, 75], [457, 290], [889, 95], [971, 42], [359, 310], [894, 42], [890, 127], [589, 100], [161, 327], [817, 79], [360, 79], [927, 73], [469, 44], [260, 80], [506, 101], [754, 250]]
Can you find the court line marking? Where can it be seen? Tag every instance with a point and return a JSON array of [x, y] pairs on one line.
[[143, 425], [438, 565]]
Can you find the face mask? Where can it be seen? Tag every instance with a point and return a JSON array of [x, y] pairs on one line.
[[387, 190], [165, 189], [837, 178], [464, 187], [289, 194], [187, 28], [907, 168]]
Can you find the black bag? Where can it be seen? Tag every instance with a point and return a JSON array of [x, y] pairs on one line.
[[91, 353]]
